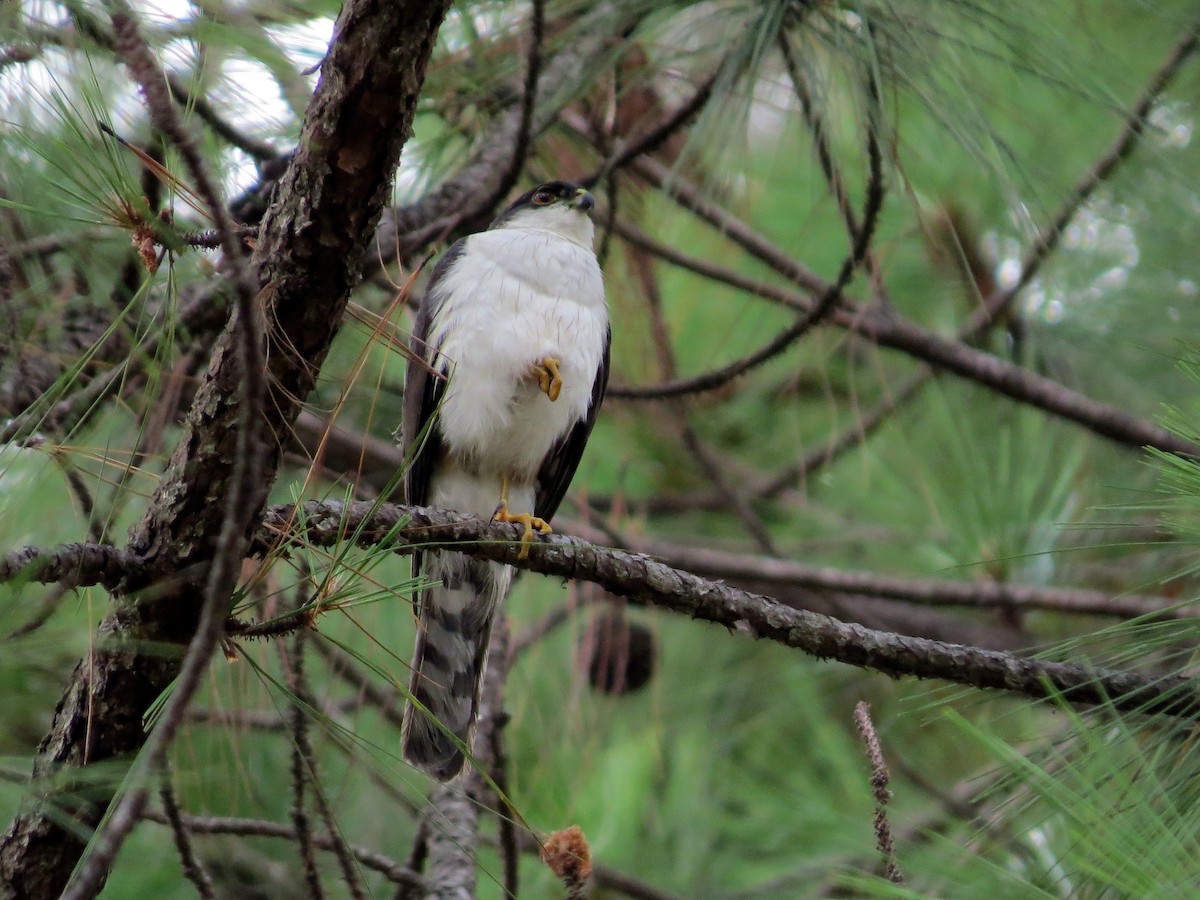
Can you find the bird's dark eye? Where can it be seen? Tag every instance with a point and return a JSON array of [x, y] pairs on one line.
[[543, 198]]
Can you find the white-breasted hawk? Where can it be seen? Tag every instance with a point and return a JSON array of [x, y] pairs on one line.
[[510, 366]]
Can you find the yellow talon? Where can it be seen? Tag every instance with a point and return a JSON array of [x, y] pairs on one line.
[[531, 522], [549, 378]]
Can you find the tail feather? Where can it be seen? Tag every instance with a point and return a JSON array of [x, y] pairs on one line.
[[454, 628]]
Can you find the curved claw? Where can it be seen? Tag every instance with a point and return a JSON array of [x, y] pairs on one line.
[[549, 378], [531, 522]]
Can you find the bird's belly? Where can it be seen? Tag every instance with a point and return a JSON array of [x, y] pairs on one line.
[[494, 417]]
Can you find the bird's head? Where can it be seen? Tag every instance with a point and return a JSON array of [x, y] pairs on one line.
[[560, 207]]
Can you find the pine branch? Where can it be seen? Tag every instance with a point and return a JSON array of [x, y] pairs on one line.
[[645, 580]]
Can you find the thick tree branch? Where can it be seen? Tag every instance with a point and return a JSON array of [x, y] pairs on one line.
[[81, 565], [70, 565], [308, 257], [645, 580]]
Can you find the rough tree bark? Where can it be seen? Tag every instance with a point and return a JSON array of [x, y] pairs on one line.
[[308, 260]]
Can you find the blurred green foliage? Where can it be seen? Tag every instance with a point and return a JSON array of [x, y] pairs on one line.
[[737, 772]]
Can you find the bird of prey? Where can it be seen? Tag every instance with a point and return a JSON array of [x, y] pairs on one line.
[[510, 366]]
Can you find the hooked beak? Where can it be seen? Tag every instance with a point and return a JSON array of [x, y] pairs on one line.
[[584, 201]]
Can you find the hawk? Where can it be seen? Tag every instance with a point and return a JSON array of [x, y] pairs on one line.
[[511, 346]]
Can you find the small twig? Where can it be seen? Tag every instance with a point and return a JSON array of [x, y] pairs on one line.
[[49, 605], [658, 135], [1127, 141], [248, 144], [377, 862], [856, 435], [534, 633], [341, 850], [613, 880], [713, 469], [192, 869], [249, 719], [879, 790], [83, 494], [828, 297], [825, 157], [388, 701], [302, 755], [288, 623], [416, 860]]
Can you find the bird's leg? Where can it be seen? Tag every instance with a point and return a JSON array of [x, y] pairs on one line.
[[531, 522], [549, 378]]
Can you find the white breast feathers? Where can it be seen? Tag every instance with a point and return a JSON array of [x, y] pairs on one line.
[[513, 298]]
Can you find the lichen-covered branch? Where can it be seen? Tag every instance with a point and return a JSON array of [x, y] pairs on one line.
[[645, 580]]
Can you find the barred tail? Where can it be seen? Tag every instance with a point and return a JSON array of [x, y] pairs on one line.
[[454, 628]]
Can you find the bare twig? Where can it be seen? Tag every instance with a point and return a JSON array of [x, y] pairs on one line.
[[771, 573], [304, 702], [810, 316], [388, 701], [660, 134], [854, 436], [192, 869], [1126, 143], [247, 143], [377, 862], [302, 756], [825, 157], [49, 604], [416, 859], [643, 269]]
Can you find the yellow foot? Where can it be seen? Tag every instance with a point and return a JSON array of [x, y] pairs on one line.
[[532, 523], [549, 378]]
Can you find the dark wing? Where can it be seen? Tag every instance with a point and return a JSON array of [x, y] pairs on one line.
[[558, 468], [421, 439]]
